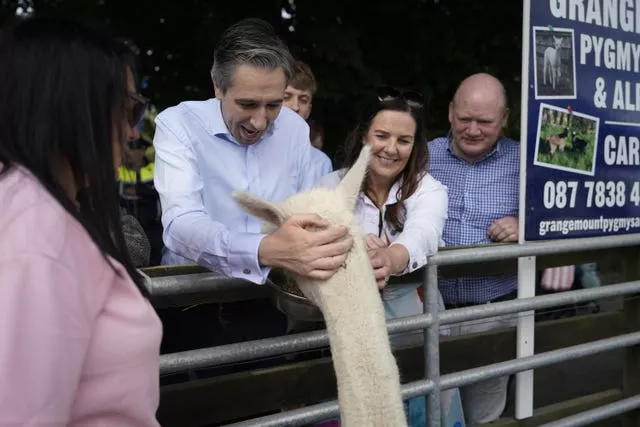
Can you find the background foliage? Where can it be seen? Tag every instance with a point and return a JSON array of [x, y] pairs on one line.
[[353, 46]]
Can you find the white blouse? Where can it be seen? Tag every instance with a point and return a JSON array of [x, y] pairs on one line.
[[426, 213]]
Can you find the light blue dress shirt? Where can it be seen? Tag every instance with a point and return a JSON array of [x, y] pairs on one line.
[[198, 166], [322, 162]]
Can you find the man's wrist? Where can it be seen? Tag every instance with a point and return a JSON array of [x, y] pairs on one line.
[[265, 250]]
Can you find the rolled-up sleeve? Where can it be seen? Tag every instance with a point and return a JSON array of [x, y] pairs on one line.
[[426, 213], [188, 229]]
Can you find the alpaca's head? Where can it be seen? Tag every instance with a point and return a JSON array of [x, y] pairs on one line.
[[333, 204]]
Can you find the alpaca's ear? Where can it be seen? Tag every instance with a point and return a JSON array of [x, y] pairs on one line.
[[352, 182], [259, 208]]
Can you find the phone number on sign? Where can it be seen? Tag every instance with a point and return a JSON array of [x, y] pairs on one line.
[[599, 194]]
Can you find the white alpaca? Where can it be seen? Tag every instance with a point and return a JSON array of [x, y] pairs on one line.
[[366, 370], [552, 62]]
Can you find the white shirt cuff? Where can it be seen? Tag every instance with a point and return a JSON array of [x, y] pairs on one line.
[[243, 257]]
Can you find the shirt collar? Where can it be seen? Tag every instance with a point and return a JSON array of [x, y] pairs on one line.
[[217, 126], [495, 151], [391, 198]]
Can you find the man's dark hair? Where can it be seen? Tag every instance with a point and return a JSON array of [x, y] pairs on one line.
[[303, 78], [251, 41]]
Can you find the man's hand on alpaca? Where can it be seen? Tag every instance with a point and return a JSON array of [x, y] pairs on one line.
[[316, 255]]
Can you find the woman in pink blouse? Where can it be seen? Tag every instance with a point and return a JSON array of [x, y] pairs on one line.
[[79, 342]]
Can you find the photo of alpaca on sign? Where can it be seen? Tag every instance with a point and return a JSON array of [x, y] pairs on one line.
[[554, 63], [366, 370], [566, 140], [551, 63]]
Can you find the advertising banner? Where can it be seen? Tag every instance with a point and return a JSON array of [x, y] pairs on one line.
[[583, 121]]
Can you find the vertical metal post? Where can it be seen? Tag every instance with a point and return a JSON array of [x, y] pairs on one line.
[[631, 319], [432, 344], [525, 337]]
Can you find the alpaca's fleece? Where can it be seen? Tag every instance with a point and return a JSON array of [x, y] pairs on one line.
[[366, 370]]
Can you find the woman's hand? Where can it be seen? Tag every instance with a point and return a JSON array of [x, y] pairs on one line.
[[382, 263], [380, 260], [374, 242], [385, 260]]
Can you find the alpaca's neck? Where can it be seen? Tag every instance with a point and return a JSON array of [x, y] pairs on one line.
[[366, 370]]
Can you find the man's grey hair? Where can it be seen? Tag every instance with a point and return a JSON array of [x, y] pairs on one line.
[[251, 41]]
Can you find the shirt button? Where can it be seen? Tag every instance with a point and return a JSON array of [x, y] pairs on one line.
[[246, 271], [414, 265]]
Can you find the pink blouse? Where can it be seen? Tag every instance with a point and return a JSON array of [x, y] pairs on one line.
[[79, 345]]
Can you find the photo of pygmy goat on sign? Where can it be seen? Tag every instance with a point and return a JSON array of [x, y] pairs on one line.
[[566, 140], [554, 63]]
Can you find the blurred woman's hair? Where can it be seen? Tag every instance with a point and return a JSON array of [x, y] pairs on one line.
[[393, 100], [63, 102]]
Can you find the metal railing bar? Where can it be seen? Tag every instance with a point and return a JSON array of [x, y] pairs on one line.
[[324, 411], [193, 283], [268, 347], [484, 311], [470, 376], [511, 251], [213, 282], [597, 414]]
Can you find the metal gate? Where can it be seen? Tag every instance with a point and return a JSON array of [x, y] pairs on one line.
[[430, 322]]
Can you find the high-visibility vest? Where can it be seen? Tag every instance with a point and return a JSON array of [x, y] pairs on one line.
[[137, 192], [129, 177]]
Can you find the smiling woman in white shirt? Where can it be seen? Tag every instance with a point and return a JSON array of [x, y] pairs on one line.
[[401, 206]]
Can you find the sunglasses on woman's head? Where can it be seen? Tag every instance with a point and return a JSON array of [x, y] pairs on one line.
[[135, 114], [413, 99]]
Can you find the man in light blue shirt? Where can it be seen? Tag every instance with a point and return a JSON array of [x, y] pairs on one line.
[[241, 140], [298, 96]]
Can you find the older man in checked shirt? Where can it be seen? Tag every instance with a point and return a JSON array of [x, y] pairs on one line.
[[481, 170]]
